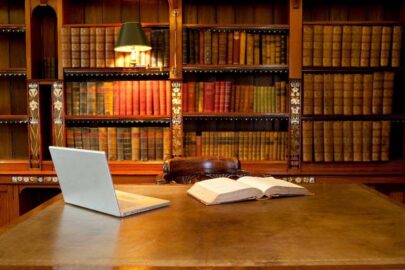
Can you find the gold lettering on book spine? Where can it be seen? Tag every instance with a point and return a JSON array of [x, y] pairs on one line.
[[177, 119], [33, 125]]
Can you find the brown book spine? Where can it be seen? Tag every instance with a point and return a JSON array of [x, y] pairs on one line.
[[256, 49], [365, 46], [348, 141], [75, 45], [242, 48], [272, 49], [236, 47], [376, 141], [109, 47], [191, 96], [109, 98], [385, 140], [214, 47], [318, 141], [356, 46], [207, 47], [66, 47], [120, 143], [338, 93], [201, 52], [168, 92], [386, 46], [367, 93], [327, 46], [70, 137], [337, 141], [317, 52], [346, 46], [283, 87], [278, 49], [112, 143], [151, 133], [222, 48], [135, 97], [92, 52], [92, 98], [77, 134], [83, 98], [347, 94], [367, 140], [307, 141], [143, 145], [103, 140], [135, 143], [388, 89], [337, 46], [100, 98], [68, 98], [166, 143], [318, 94], [328, 94], [159, 143], [94, 141], [100, 47], [357, 140], [249, 49], [375, 46], [357, 94], [328, 141], [84, 47], [149, 97], [378, 83], [75, 98], [396, 46], [142, 97], [229, 49], [162, 98]]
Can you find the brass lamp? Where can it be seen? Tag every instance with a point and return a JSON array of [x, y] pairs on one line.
[[132, 39]]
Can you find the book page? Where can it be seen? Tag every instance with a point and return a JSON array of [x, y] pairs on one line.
[[271, 186], [222, 190]]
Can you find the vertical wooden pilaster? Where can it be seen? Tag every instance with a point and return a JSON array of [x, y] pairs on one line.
[[34, 129]]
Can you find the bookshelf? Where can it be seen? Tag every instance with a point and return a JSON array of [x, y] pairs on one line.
[[212, 98]]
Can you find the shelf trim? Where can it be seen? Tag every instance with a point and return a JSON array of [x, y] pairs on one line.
[[284, 116], [144, 24], [110, 119], [14, 119], [247, 27], [13, 72], [110, 72], [394, 117], [187, 68], [12, 28], [354, 23], [348, 69]]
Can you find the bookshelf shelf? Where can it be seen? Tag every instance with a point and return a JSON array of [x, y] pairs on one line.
[[281, 69], [13, 119], [379, 117], [265, 28], [353, 23], [116, 72], [13, 72], [348, 69], [236, 116], [90, 119], [144, 24], [12, 28]]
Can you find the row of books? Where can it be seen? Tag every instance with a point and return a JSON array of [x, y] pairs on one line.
[[123, 143], [225, 96], [93, 47], [246, 145], [352, 46], [129, 98], [48, 69], [348, 94], [338, 141], [233, 47]]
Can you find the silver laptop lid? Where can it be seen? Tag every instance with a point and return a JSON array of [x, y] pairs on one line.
[[85, 179]]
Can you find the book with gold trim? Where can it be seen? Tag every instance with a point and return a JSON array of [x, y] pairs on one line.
[[337, 141], [347, 94], [337, 46], [367, 93], [318, 141], [328, 141], [376, 141], [375, 50], [357, 94], [307, 141], [308, 41], [367, 140], [378, 84], [356, 46], [365, 46], [386, 46], [327, 46], [318, 94], [357, 140], [348, 140], [317, 52], [346, 46], [388, 89], [396, 46]]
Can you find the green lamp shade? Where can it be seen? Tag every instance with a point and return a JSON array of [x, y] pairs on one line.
[[132, 38]]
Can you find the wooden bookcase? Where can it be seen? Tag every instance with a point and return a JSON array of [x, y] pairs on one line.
[[34, 77]]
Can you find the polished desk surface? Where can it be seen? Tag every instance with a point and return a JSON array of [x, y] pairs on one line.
[[341, 225]]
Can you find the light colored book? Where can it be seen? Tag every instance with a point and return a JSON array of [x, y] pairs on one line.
[[225, 190]]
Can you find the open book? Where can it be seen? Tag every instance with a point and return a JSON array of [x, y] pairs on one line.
[[224, 190]]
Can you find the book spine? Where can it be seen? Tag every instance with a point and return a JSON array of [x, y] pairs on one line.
[[396, 46], [367, 93], [109, 98], [100, 98], [135, 97], [100, 47], [317, 46], [214, 47], [112, 143], [236, 47], [103, 139], [378, 83], [318, 94], [338, 93], [327, 46], [376, 141], [346, 46], [356, 46], [127, 143], [375, 50], [337, 141], [109, 47], [135, 142], [229, 49], [191, 96], [256, 49], [357, 94], [75, 45], [128, 97], [162, 98], [337, 46], [328, 141], [151, 143], [388, 89], [69, 98], [116, 87], [222, 48], [307, 141], [207, 47], [385, 140], [348, 140], [242, 48], [166, 143], [328, 94], [357, 140], [66, 47], [367, 140], [83, 98], [122, 98], [365, 46], [348, 94], [159, 143], [386, 39], [149, 98], [318, 141], [155, 97], [143, 135]]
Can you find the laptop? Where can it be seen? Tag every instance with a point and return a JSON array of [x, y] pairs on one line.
[[85, 180]]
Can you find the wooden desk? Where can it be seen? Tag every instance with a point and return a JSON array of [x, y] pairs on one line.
[[346, 226]]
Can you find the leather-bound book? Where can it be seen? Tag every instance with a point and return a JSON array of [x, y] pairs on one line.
[[284, 49], [166, 49], [222, 38], [92, 98], [201, 52], [328, 94], [135, 143], [357, 140], [272, 49], [123, 98], [135, 97], [214, 47], [112, 143], [249, 49], [100, 98], [385, 140], [127, 143], [76, 95], [191, 48], [200, 98], [307, 141], [328, 141], [256, 49], [93, 139], [388, 89], [120, 143], [367, 93], [168, 97], [162, 98], [76, 46], [83, 98], [191, 96], [217, 96], [229, 49], [356, 46], [155, 97], [66, 47], [116, 87], [396, 46], [338, 93], [346, 45], [209, 96], [376, 141], [128, 98], [386, 45], [242, 48], [143, 143], [283, 87], [318, 94], [375, 50], [68, 98], [92, 53], [378, 84], [318, 141], [166, 143], [367, 140], [236, 47], [337, 141], [318, 46], [70, 139], [278, 49], [159, 143], [100, 47], [365, 46], [108, 98], [357, 94], [337, 46], [207, 47], [109, 47], [277, 86], [77, 134], [184, 100], [264, 48], [151, 143], [142, 97], [103, 139], [348, 140], [227, 101], [347, 94], [185, 49], [149, 97], [327, 46]]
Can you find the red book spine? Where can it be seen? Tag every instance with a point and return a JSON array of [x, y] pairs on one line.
[[168, 98], [228, 92], [162, 97], [128, 97], [201, 46], [123, 109], [217, 92], [135, 97], [149, 98], [209, 91], [185, 97], [221, 96], [191, 96], [156, 101], [142, 97], [116, 87]]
